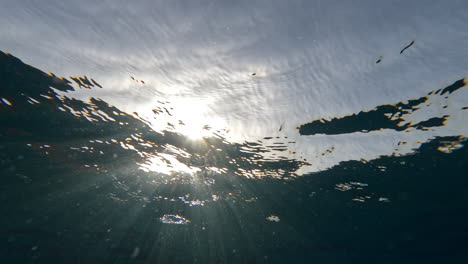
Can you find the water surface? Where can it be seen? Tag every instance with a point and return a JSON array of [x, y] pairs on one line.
[[255, 132]]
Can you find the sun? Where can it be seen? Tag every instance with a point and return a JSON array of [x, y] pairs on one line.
[[189, 117], [195, 131], [194, 120]]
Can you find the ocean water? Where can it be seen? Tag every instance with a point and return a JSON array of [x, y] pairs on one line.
[[246, 132]]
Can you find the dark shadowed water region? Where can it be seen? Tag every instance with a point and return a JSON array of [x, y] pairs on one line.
[[85, 182]]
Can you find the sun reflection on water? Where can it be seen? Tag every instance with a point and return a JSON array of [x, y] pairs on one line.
[[167, 164]]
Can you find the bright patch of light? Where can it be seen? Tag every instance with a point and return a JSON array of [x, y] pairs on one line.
[[166, 164], [196, 121], [174, 219]]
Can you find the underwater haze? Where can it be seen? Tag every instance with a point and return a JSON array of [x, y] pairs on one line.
[[233, 131]]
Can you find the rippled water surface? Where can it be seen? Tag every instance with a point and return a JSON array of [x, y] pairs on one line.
[[233, 132]]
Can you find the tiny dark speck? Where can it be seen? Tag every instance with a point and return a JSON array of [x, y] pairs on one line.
[[405, 48], [379, 60]]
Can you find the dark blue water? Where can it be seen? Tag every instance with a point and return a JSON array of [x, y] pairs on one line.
[[84, 182]]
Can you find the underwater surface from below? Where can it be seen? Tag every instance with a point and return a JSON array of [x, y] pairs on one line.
[[84, 182]]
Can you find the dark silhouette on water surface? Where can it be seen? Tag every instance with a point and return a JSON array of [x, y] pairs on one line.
[[379, 60], [405, 48], [382, 117]]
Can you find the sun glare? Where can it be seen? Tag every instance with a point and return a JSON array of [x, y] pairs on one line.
[[195, 132], [194, 120]]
